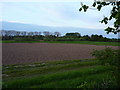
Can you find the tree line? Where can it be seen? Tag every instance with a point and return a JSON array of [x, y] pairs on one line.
[[24, 33], [50, 36]]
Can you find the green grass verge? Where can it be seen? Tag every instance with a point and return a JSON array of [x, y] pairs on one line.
[[59, 74], [46, 67], [39, 80], [26, 72], [68, 42], [93, 81]]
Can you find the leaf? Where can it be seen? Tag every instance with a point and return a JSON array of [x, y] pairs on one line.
[[98, 2], [112, 3], [99, 7], [113, 9], [101, 21], [114, 14], [80, 9], [94, 4], [85, 8], [108, 30], [106, 18], [110, 17], [103, 3], [118, 4], [115, 32], [117, 15], [105, 22]]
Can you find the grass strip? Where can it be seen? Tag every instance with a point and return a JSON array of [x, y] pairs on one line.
[[48, 68], [100, 80], [68, 42], [26, 82]]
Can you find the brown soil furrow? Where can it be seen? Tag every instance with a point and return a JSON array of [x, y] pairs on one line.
[[18, 53]]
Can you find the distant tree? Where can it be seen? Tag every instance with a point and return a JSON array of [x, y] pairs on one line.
[[86, 37], [76, 34], [100, 36], [97, 37], [5, 33], [115, 13], [8, 32], [24, 33], [46, 33], [94, 37], [57, 34], [30, 33], [2, 32], [13, 32], [36, 33], [39, 33], [17, 33]]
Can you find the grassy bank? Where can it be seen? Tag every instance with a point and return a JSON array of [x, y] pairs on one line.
[[67, 42], [59, 74]]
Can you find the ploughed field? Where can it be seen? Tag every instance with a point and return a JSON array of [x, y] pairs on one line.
[[20, 53]]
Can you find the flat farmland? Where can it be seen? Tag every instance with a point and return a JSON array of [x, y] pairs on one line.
[[20, 53]]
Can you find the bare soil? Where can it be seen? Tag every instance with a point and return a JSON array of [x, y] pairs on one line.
[[19, 53]]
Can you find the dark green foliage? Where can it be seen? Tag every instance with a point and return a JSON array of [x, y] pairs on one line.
[[99, 7], [23, 39], [109, 29], [107, 56], [94, 4], [97, 38], [49, 38], [38, 37], [84, 7], [86, 37], [105, 20], [110, 57], [73, 35]]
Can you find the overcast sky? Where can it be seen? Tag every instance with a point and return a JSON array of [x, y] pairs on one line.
[[53, 13]]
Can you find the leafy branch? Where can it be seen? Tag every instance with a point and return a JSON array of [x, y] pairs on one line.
[[115, 14]]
